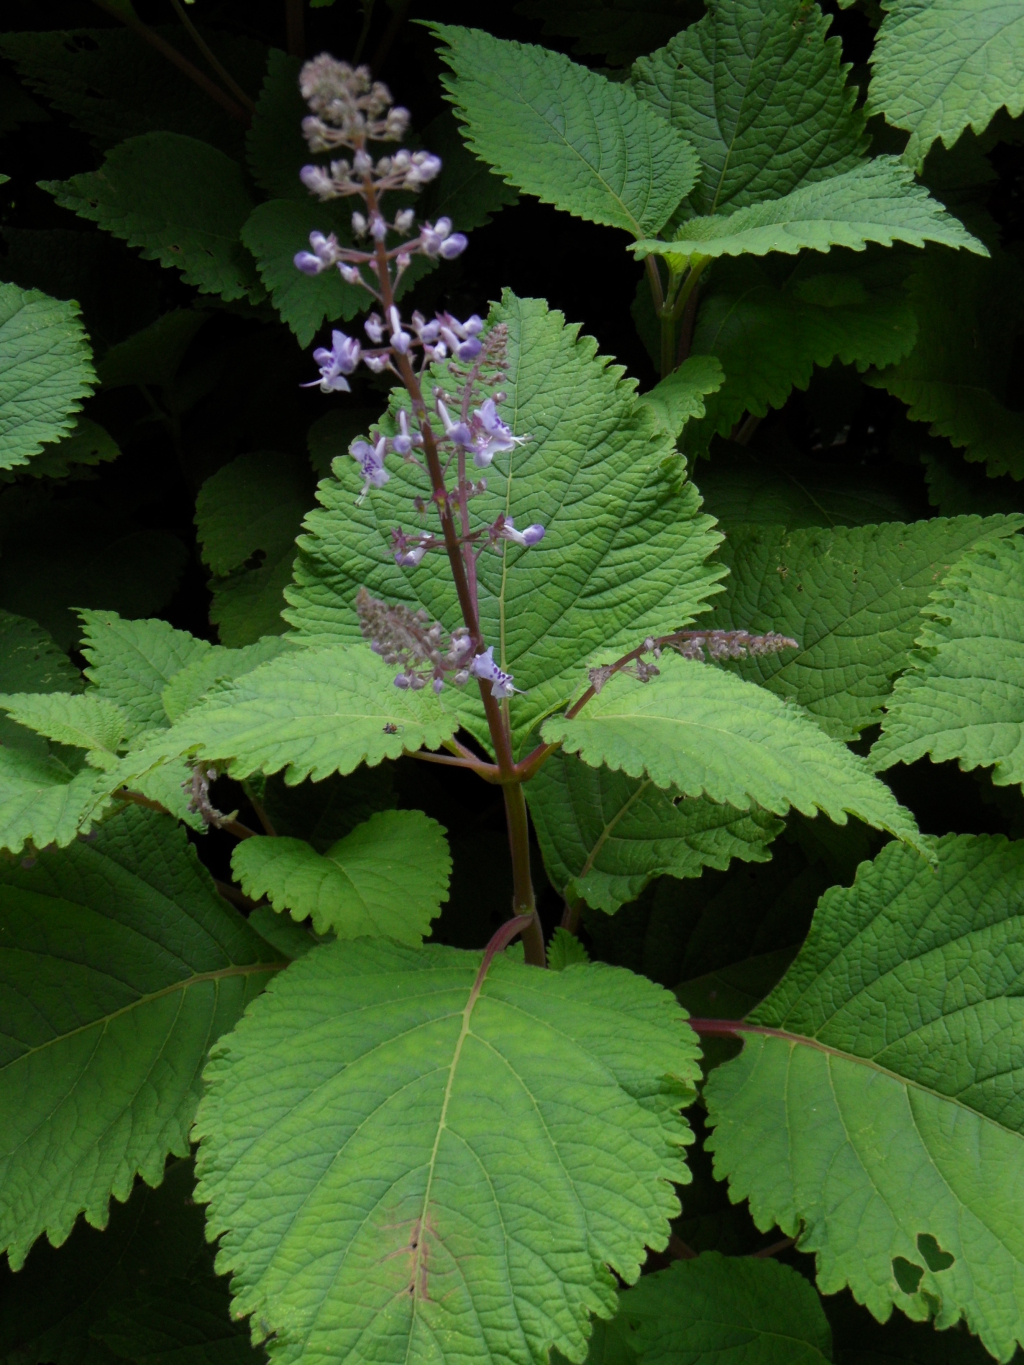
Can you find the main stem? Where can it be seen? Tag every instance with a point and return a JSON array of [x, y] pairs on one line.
[[523, 900]]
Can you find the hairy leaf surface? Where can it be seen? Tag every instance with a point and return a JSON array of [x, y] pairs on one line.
[[850, 596], [605, 835], [180, 200], [964, 696], [388, 877], [961, 376], [940, 66], [680, 395], [704, 732], [730, 1310], [215, 666], [897, 1028], [624, 552], [406, 1085], [45, 372], [100, 1070], [44, 800], [761, 93], [311, 712], [876, 202], [566, 134], [131, 662], [82, 720]]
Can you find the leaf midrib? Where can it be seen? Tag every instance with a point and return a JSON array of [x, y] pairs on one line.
[[815, 1044], [220, 974]]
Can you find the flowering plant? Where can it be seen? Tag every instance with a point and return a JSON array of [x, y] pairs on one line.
[[419, 940]]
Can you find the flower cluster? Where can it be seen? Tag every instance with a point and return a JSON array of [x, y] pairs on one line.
[[728, 644], [407, 638]]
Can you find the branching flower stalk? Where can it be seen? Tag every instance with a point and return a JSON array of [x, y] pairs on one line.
[[448, 431]]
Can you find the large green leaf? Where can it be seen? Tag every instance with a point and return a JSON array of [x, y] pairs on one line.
[[45, 372], [961, 376], [897, 1028], [81, 720], [769, 323], [44, 800], [704, 732], [564, 133], [605, 835], [388, 877], [407, 1087], [624, 552], [850, 596], [681, 395], [182, 201], [943, 65], [467, 191], [310, 711], [252, 507], [964, 696], [86, 444], [761, 93], [729, 1310], [878, 201], [100, 1068], [213, 667], [131, 662]]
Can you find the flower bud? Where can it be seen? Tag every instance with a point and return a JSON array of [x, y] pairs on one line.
[[454, 246], [359, 225], [404, 220], [308, 263]]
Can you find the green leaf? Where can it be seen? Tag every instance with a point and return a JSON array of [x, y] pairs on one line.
[[966, 391], [274, 232], [940, 66], [896, 1028], [388, 877], [625, 550], [114, 85], [44, 801], [84, 721], [45, 372], [49, 1306], [876, 202], [680, 395], [87, 444], [565, 950], [566, 134], [30, 661], [964, 696], [100, 1072], [311, 712], [730, 1310], [406, 1086], [605, 835], [775, 485], [274, 146], [180, 200], [214, 666], [761, 93], [183, 1322], [154, 354], [131, 662], [704, 732], [851, 597], [769, 327], [252, 507]]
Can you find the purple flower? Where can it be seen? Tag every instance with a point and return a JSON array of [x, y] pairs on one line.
[[437, 239], [491, 436], [316, 180], [400, 340], [403, 443], [531, 536], [374, 328], [340, 360], [370, 459], [461, 338], [484, 667], [324, 254], [454, 246]]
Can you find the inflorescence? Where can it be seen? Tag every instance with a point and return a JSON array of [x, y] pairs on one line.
[[460, 422]]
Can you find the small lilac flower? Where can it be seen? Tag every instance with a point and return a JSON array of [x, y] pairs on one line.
[[404, 220], [362, 162], [374, 328], [454, 246], [316, 180], [434, 236], [400, 340], [531, 536], [359, 225], [423, 169], [462, 337], [323, 255], [370, 459], [491, 436], [408, 559], [438, 686], [334, 364], [377, 363], [348, 273], [484, 667], [455, 431], [403, 443], [378, 228]]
